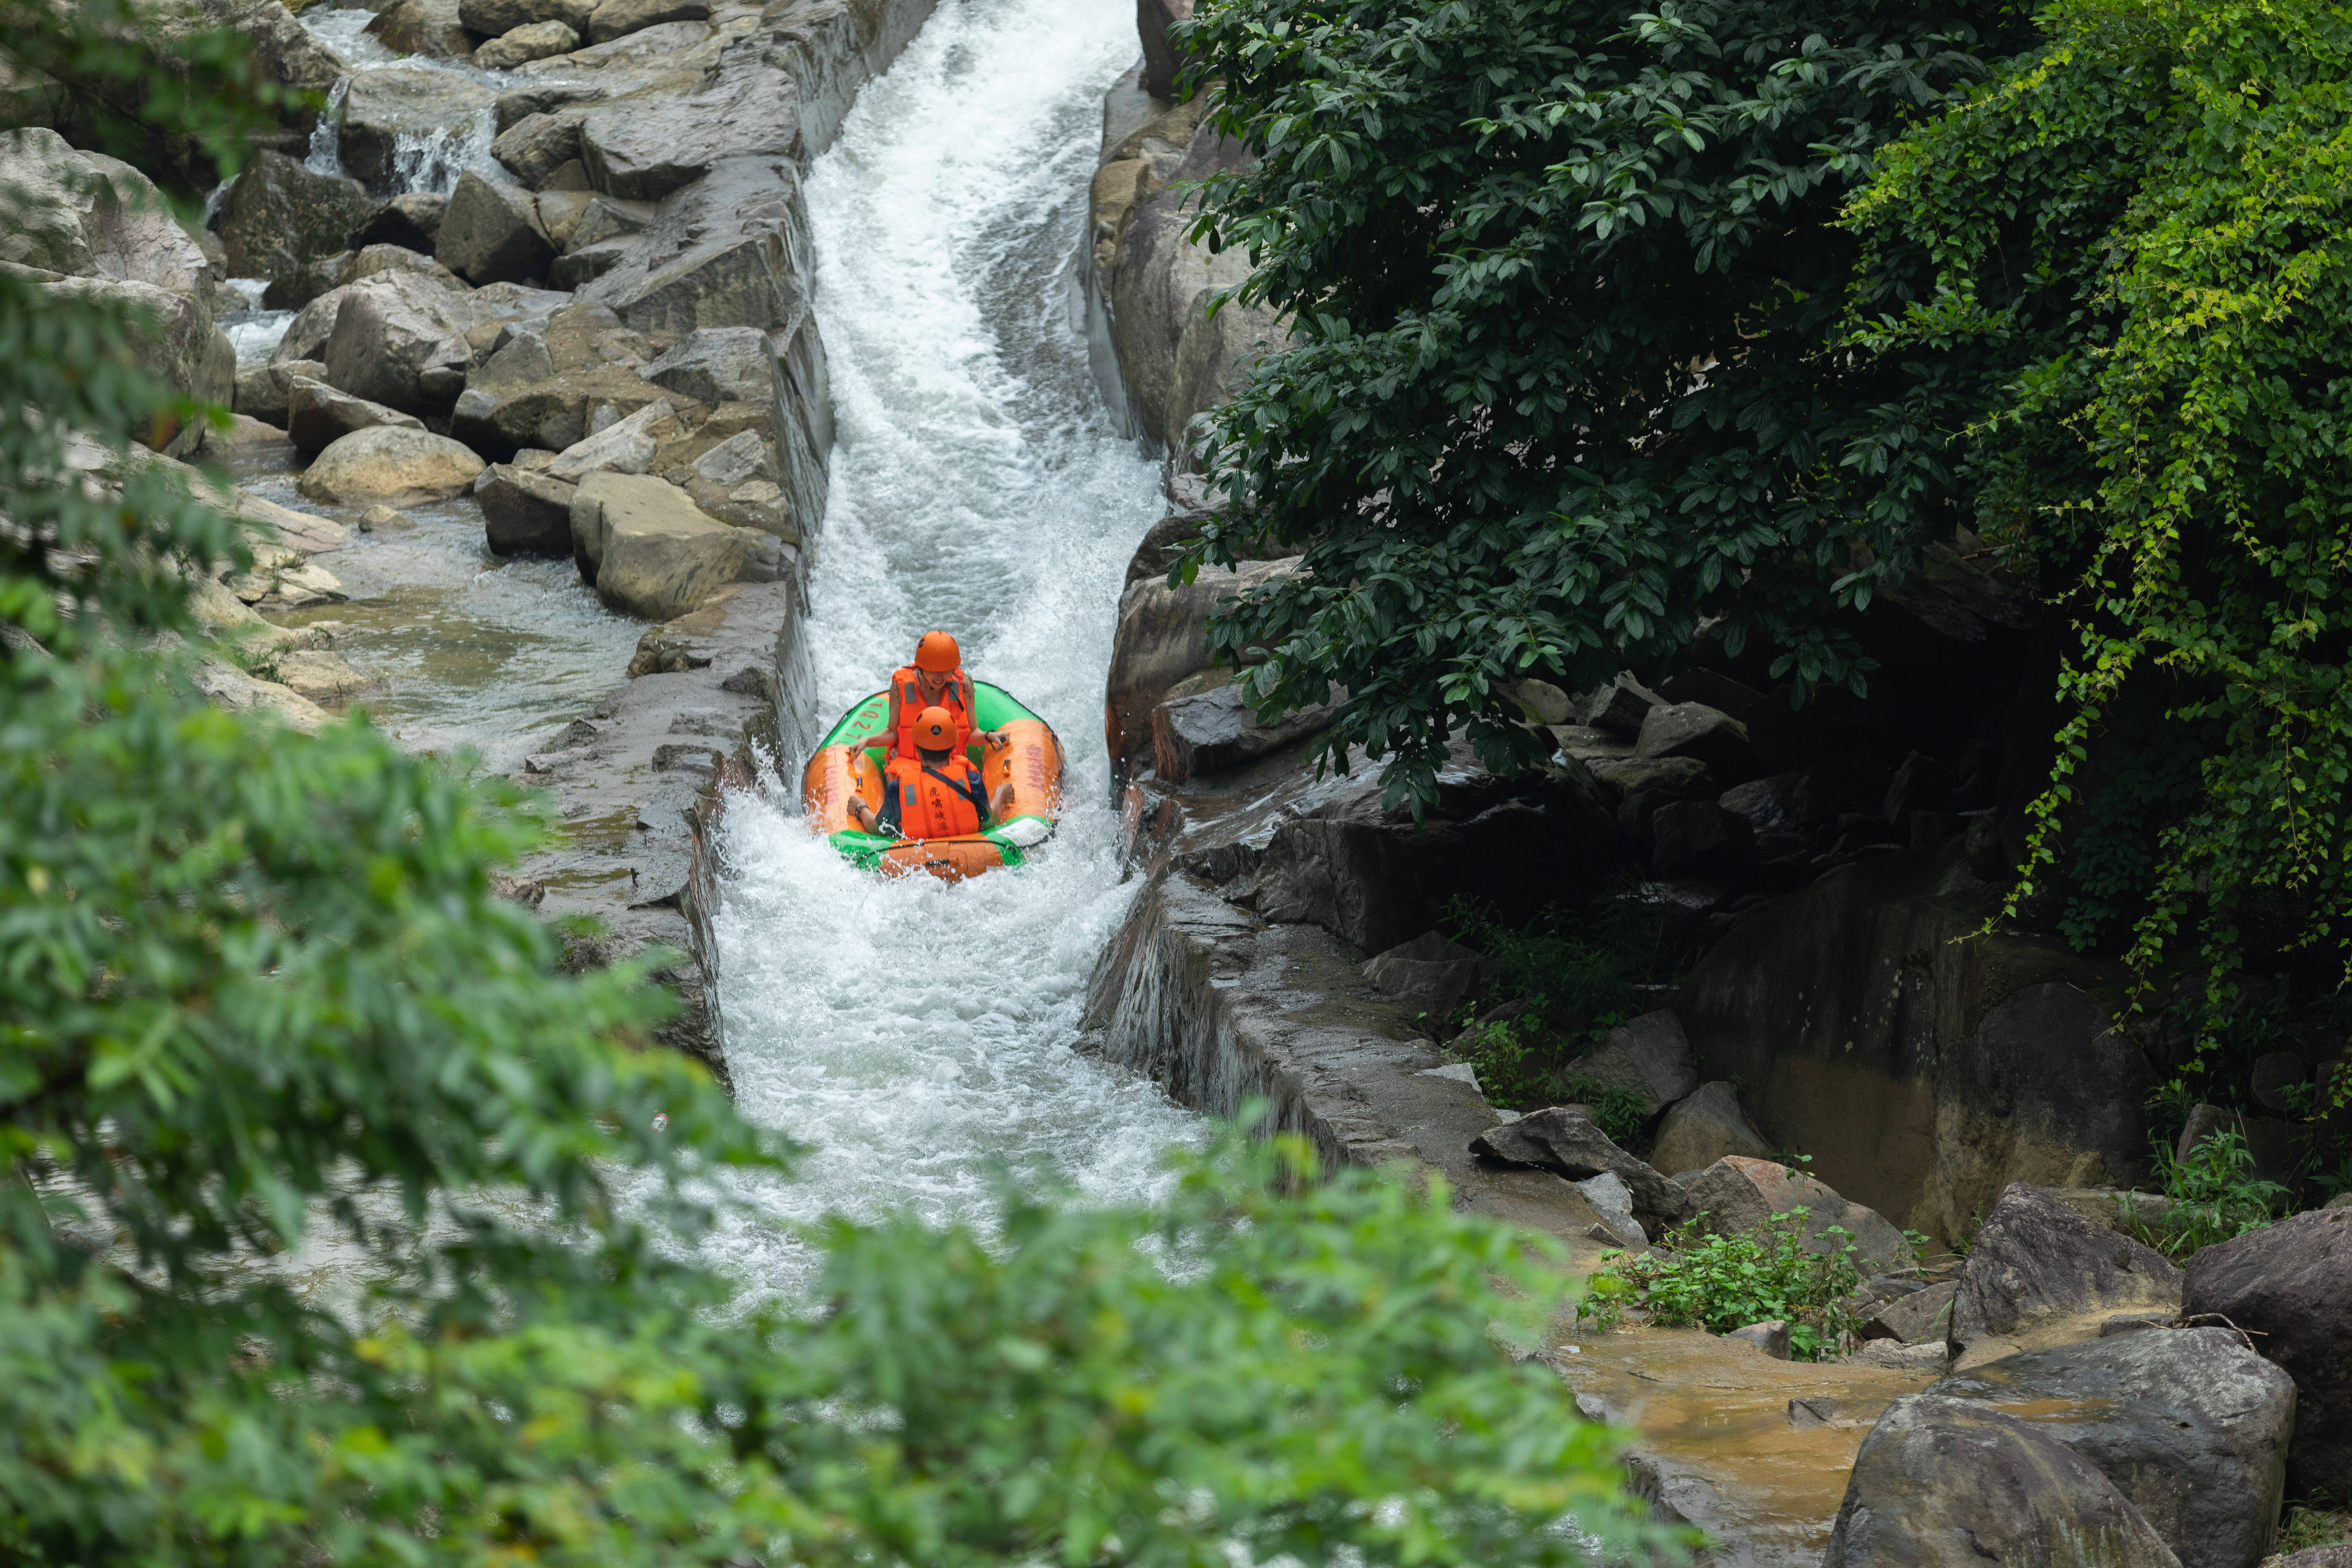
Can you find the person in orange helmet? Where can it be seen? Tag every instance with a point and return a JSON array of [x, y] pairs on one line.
[[936, 793], [936, 679]]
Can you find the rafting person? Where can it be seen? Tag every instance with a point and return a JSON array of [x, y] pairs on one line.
[[936, 679], [938, 793]]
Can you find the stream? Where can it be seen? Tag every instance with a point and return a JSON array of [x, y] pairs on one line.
[[919, 1036]]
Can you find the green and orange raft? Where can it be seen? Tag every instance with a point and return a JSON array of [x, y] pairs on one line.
[[848, 764]]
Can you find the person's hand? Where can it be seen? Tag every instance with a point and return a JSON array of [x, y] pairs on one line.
[[997, 739]]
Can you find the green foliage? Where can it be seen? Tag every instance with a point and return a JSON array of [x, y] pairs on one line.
[[2313, 1521], [1721, 1282], [1616, 1111], [1513, 1073], [1567, 379], [2122, 271], [259, 1011], [2214, 1193]]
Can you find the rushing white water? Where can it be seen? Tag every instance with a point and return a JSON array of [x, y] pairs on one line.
[[428, 162], [920, 1035]]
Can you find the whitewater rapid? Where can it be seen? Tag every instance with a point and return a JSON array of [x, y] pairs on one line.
[[919, 1036]]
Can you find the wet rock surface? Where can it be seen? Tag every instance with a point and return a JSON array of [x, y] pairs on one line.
[[2037, 1268], [2291, 1284]]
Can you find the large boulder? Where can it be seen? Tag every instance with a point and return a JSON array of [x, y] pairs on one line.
[[534, 147], [656, 554], [645, 149], [1740, 1196], [491, 233], [537, 391], [281, 53], [430, 27], [2291, 1284], [624, 447], [318, 415], [1951, 1483], [411, 220], [531, 41], [422, 103], [1163, 637], [89, 216], [718, 364], [1704, 734], [1374, 877], [525, 512], [744, 281], [1194, 733], [281, 215], [1703, 1128], [174, 339], [619, 18], [1924, 1064], [399, 339], [2035, 1264], [1565, 1138], [493, 18], [1162, 60], [2189, 1425], [1647, 1057], [1428, 976], [390, 464]]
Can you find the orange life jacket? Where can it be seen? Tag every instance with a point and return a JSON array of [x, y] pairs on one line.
[[956, 700], [933, 800]]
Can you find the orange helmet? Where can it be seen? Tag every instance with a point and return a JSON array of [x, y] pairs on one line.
[[935, 728], [938, 653]]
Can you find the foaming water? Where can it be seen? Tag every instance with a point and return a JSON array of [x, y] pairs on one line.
[[919, 1036]]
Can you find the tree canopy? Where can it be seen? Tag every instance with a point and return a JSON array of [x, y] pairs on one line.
[[1615, 325], [259, 1006]]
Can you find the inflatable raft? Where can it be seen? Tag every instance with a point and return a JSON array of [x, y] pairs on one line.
[[849, 761]]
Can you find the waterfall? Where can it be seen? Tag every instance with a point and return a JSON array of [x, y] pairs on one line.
[[326, 150], [432, 162], [915, 1033]]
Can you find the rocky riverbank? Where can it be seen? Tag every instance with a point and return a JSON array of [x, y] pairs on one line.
[[595, 335]]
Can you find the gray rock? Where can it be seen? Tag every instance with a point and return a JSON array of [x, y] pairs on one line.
[[1932, 1357], [419, 101], [560, 213], [1925, 1316], [611, 218], [1647, 1057], [398, 340], [411, 220], [495, 19], [735, 283], [618, 18], [536, 392], [525, 513], [1700, 839], [1645, 786], [2036, 1260], [1736, 1195], [1703, 1128], [2273, 1074], [1618, 708], [742, 456], [1208, 732], [434, 29], [280, 215], [1613, 1200], [376, 258], [721, 364], [491, 233], [624, 447], [317, 415], [1161, 59], [645, 150], [542, 97], [389, 464], [1702, 733], [537, 145], [656, 555], [263, 390], [1545, 703], [1771, 1338], [89, 216], [2189, 1425], [1950, 1483], [176, 341], [531, 41], [1564, 1139], [2315, 1557], [1163, 637], [1426, 975], [2292, 1284]]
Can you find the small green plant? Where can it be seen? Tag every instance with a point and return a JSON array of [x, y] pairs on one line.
[[1619, 1113], [1511, 1074], [2214, 1195], [1723, 1282], [2314, 1520]]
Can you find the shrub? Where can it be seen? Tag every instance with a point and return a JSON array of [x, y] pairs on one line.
[[2214, 1193], [1723, 1282]]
